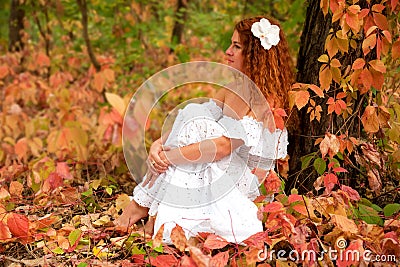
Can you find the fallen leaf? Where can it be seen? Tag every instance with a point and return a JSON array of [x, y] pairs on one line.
[[178, 238], [220, 260], [18, 225], [215, 242], [344, 224]]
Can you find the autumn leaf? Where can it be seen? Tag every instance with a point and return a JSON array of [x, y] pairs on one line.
[[18, 225], [374, 180], [318, 91], [16, 188], [325, 77], [329, 145], [5, 232], [4, 194], [359, 63], [273, 207], [258, 240], [116, 102], [21, 148], [344, 224], [330, 180], [378, 65], [43, 60], [272, 183], [215, 242], [178, 238], [164, 261], [370, 120], [3, 71], [220, 260], [122, 201], [199, 258], [396, 50], [98, 82]]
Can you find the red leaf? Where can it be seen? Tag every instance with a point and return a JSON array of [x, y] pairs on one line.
[[396, 50], [63, 170], [178, 238], [4, 232], [272, 183], [366, 79], [393, 4], [378, 65], [55, 180], [339, 169], [273, 207], [18, 225], [330, 180], [215, 242], [220, 260], [381, 21], [4, 71], [164, 261], [295, 198], [257, 240], [353, 194], [186, 261]]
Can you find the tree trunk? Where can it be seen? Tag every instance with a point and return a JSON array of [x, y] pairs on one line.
[[180, 18], [15, 26], [315, 32]]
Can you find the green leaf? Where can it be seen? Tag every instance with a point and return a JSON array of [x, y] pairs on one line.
[[159, 249], [74, 236], [320, 166], [109, 190], [305, 160], [369, 215], [136, 251], [391, 209], [82, 264], [58, 251]]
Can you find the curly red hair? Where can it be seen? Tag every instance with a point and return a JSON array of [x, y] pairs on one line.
[[270, 70]]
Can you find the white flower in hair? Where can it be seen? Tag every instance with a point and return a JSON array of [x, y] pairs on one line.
[[266, 32]]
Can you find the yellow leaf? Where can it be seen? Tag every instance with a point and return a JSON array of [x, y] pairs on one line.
[[344, 224], [178, 238], [323, 58], [122, 201], [116, 102], [102, 221]]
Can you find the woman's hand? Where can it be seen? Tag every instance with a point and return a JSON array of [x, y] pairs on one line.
[[155, 163]]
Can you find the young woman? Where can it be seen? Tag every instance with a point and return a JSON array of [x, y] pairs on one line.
[[204, 181]]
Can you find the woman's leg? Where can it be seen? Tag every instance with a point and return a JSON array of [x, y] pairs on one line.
[[130, 215]]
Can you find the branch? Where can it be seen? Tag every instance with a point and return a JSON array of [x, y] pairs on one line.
[[83, 8]]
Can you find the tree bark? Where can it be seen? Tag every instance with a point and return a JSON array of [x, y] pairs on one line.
[[83, 8], [315, 32], [180, 18], [15, 26]]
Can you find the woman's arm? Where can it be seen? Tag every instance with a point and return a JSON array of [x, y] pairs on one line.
[[208, 150]]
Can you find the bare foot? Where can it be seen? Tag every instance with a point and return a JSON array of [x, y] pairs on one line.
[[130, 215]]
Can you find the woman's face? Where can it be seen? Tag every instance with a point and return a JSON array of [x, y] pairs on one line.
[[233, 54]]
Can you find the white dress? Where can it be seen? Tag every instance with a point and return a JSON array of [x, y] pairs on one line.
[[212, 197]]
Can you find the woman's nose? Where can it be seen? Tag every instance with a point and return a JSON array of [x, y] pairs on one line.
[[229, 51]]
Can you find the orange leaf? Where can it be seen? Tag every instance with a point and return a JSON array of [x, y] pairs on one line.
[[318, 91], [377, 79], [220, 260], [278, 118], [378, 8], [4, 232], [178, 238], [21, 148], [3, 71], [215, 242], [359, 63], [353, 22], [18, 225], [98, 81], [393, 4], [16, 188], [199, 258], [324, 4], [325, 77], [295, 198], [370, 120], [4, 194], [366, 80], [381, 21], [157, 240], [301, 98], [257, 240], [369, 43], [109, 75], [42, 60], [378, 65]]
